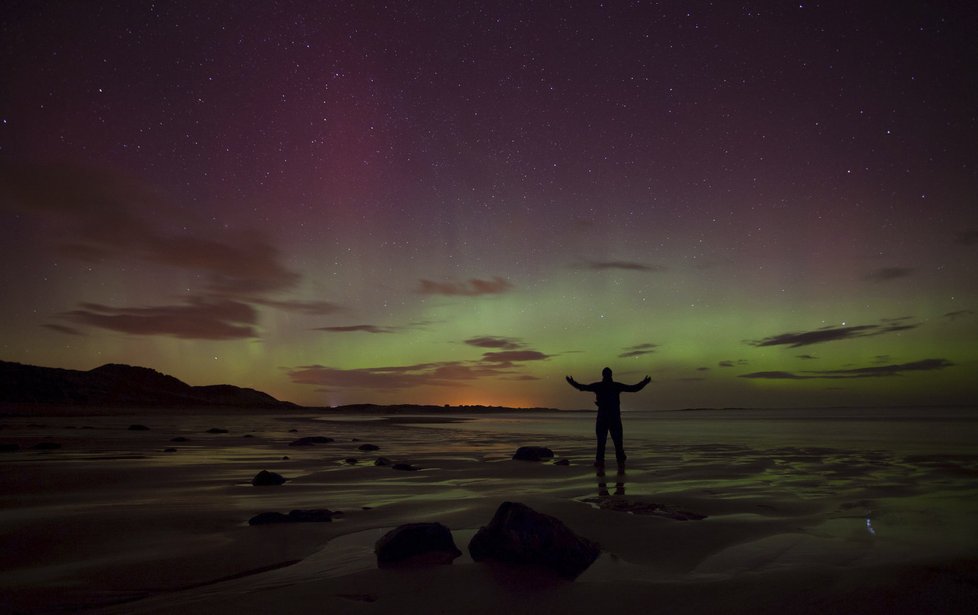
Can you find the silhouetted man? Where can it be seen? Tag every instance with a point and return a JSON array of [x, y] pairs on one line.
[[609, 411]]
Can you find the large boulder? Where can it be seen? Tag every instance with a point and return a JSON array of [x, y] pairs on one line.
[[416, 544], [533, 453], [518, 534], [266, 478]]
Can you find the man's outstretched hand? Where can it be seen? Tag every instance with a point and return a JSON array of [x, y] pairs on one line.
[[571, 381], [647, 380]]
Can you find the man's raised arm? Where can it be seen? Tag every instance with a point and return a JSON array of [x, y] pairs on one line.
[[577, 385], [632, 388]]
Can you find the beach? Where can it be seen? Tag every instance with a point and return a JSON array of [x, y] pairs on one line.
[[759, 511]]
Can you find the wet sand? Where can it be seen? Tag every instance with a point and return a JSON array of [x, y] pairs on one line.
[[110, 523]]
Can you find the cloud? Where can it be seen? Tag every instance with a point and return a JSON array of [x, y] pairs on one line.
[[489, 341], [732, 363], [958, 314], [967, 238], [638, 350], [472, 288], [876, 371], [449, 373], [357, 328], [832, 334], [200, 318], [63, 329], [514, 356], [885, 274], [622, 265], [807, 357], [702, 369]]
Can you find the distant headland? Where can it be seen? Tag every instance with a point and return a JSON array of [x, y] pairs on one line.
[[128, 386], [120, 385]]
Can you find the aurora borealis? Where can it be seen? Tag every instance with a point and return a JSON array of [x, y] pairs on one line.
[[757, 204]]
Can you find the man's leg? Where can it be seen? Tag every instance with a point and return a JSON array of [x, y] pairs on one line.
[[601, 431], [617, 436]]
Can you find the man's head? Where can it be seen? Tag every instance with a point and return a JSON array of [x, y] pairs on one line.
[[606, 373]]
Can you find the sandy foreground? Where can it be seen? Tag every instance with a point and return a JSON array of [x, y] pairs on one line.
[[109, 523]]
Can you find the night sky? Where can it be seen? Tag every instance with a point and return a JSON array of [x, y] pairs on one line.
[[756, 203]]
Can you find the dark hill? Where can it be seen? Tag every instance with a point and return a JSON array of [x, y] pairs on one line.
[[119, 385]]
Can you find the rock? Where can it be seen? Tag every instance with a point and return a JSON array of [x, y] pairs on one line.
[[247, 435], [9, 448], [138, 428], [316, 515], [293, 431], [383, 461], [406, 467], [285, 457], [311, 515], [518, 534], [368, 447], [217, 430], [311, 440], [562, 462], [533, 453], [46, 446], [169, 450], [351, 460], [179, 439], [268, 518], [266, 478], [416, 543]]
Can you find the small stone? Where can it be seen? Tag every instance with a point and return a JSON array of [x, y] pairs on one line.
[[383, 461], [217, 430], [169, 449], [368, 447], [179, 439], [351, 460], [562, 462], [138, 428], [406, 467], [311, 440], [46, 446]]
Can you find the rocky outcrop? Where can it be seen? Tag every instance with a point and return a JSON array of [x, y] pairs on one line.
[[368, 447], [416, 544], [518, 534]]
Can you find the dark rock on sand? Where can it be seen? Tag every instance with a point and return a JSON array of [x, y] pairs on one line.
[[533, 453], [285, 458], [310, 440], [518, 534], [351, 460], [138, 428], [268, 518], [217, 430], [406, 467], [179, 439], [315, 515], [46, 446], [247, 435], [293, 430], [169, 450], [9, 448], [562, 462], [416, 543], [368, 447], [383, 461], [266, 478]]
